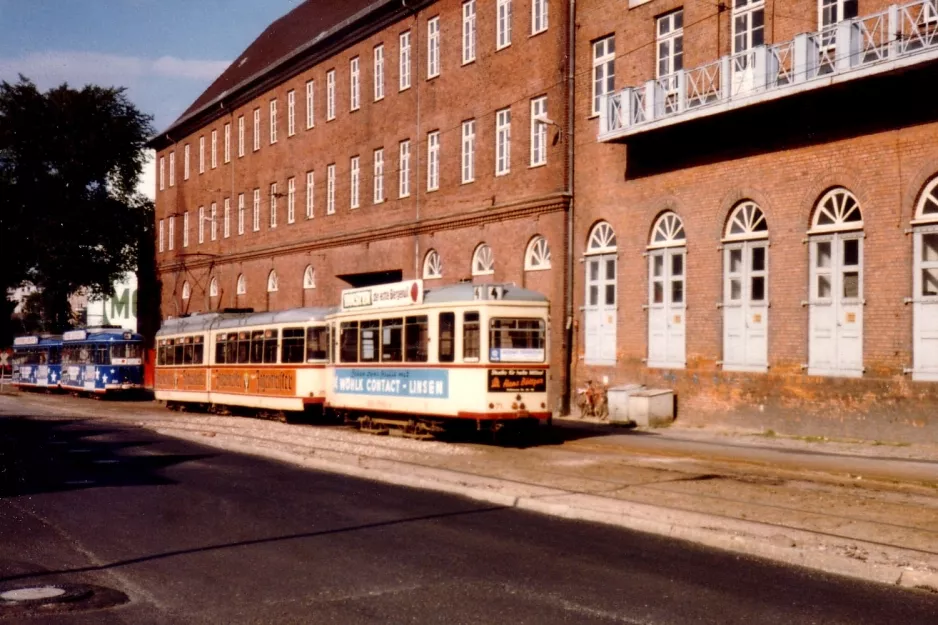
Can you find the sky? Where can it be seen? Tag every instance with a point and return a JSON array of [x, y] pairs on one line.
[[165, 52]]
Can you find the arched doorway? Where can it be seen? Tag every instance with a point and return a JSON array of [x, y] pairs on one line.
[[601, 295], [745, 289], [667, 321]]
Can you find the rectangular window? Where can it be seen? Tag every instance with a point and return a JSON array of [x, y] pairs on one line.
[[201, 224], [404, 61], [310, 104], [240, 136], [257, 210], [291, 113], [433, 160], [379, 176], [172, 233], [227, 142], [447, 341], [185, 229], [353, 168], [404, 170], [291, 200], [468, 31], [369, 345], [172, 169], [317, 343], [185, 163], [293, 345], [468, 150], [503, 38], [379, 72], [162, 173], [240, 213], [604, 68], [524, 338], [202, 154], [214, 149], [348, 341], [670, 43], [162, 242], [330, 95], [330, 189], [227, 217], [273, 121], [273, 205], [415, 338], [214, 221], [392, 340], [538, 16], [310, 190], [257, 129], [538, 131], [354, 84], [502, 142], [433, 48]]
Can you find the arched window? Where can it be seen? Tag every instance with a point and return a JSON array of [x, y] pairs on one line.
[[667, 293], [745, 289], [242, 287], [600, 311], [537, 256], [746, 222], [483, 261], [835, 342], [668, 232], [432, 265], [309, 278], [272, 281], [927, 209], [213, 287], [602, 239], [925, 285], [186, 290]]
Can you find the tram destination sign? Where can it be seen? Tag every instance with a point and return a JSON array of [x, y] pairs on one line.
[[517, 380], [384, 295]]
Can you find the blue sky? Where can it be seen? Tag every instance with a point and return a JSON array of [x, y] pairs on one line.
[[166, 52]]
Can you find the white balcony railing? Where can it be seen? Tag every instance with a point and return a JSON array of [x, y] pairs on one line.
[[903, 34]]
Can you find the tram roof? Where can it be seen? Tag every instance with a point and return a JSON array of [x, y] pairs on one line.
[[213, 321], [35, 340], [106, 335], [467, 292]]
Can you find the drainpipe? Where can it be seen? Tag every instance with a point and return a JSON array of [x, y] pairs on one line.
[[570, 265]]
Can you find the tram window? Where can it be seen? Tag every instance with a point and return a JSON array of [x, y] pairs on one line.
[[348, 341], [317, 343], [447, 337], [179, 350], [244, 347], [187, 351], [220, 346], [126, 350], [368, 336], [55, 356], [257, 346], [231, 349], [101, 356], [392, 340], [415, 338], [518, 334], [270, 346], [470, 336], [292, 345]]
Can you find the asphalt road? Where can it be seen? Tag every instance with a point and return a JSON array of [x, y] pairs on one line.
[[185, 534]]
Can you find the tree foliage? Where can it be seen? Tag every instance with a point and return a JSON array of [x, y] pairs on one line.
[[70, 218]]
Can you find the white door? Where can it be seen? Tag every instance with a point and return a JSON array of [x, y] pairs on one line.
[[600, 310], [748, 32], [925, 303], [666, 308], [836, 306], [745, 306]]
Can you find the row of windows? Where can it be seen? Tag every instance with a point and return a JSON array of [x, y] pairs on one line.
[[271, 346], [503, 39]]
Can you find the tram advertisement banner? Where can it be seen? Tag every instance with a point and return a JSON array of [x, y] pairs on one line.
[[422, 383], [517, 380], [182, 379], [277, 382]]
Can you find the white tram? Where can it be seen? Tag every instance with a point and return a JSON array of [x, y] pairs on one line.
[[273, 361], [470, 354]]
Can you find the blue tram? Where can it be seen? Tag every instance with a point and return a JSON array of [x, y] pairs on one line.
[[37, 362], [102, 360]]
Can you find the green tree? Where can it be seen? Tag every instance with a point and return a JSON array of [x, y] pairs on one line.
[[69, 214]]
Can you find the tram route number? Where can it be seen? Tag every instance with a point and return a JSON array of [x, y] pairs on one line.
[[517, 380]]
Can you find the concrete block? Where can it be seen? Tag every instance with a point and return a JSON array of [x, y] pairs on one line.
[[652, 407], [618, 402]]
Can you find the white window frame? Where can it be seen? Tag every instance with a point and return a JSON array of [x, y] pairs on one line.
[[483, 260], [404, 62], [273, 282], [291, 112], [273, 121], [355, 182], [213, 287], [355, 99], [503, 26], [273, 205], [468, 151], [162, 237], [503, 142], [404, 169], [310, 104], [172, 232], [379, 176], [330, 95], [330, 189], [433, 47], [538, 16], [743, 34], [227, 209], [256, 211], [538, 132], [379, 72], [214, 148], [433, 160], [468, 31], [291, 200], [162, 173], [227, 142], [240, 214], [309, 277], [185, 162], [537, 254], [201, 225], [672, 34], [604, 70], [186, 290], [310, 194], [241, 287], [257, 129], [202, 154], [213, 211], [172, 168], [432, 266], [185, 229], [241, 136]]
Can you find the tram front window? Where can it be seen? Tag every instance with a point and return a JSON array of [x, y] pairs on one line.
[[126, 350], [517, 340], [317, 344]]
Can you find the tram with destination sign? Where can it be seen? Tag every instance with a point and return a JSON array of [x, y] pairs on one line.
[[271, 362], [426, 360], [37, 362], [103, 360]]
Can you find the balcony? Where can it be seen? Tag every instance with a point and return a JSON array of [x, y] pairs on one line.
[[901, 36]]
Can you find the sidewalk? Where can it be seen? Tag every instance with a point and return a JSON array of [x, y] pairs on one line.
[[860, 509]]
